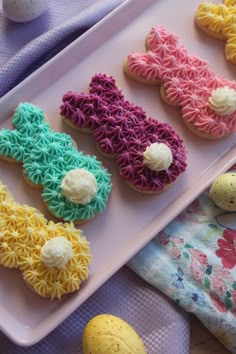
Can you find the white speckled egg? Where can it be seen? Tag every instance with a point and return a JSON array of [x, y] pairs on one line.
[[109, 334], [24, 10], [223, 191]]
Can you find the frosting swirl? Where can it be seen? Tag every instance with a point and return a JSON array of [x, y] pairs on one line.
[[56, 252], [157, 157], [79, 186], [223, 101]]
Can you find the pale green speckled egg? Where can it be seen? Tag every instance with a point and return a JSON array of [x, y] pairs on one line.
[[223, 191], [108, 334]]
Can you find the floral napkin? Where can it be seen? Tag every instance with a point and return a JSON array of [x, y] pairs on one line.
[[193, 261]]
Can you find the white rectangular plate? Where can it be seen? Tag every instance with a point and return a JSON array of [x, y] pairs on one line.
[[130, 219]]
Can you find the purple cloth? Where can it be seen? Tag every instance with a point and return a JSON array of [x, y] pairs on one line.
[[26, 46], [163, 326]]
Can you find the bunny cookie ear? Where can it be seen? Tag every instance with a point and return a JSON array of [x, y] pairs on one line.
[[160, 40], [105, 87], [80, 110], [27, 113], [143, 67], [149, 67], [85, 111], [5, 194]]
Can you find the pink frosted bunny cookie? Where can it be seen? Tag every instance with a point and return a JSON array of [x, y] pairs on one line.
[[150, 154], [208, 101]]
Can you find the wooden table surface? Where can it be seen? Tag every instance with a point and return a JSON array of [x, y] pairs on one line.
[[202, 341]]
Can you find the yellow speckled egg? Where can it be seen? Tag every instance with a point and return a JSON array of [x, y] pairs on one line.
[[223, 191], [108, 334]]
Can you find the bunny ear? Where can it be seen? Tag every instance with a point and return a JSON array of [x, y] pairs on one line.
[[27, 113], [143, 67], [159, 37], [105, 87], [163, 51], [5, 194], [227, 220], [83, 110], [230, 51]]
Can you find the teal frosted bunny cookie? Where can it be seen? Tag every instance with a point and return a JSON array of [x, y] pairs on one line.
[[75, 186]]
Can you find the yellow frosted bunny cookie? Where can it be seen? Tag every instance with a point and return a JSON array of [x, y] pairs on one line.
[[54, 258]]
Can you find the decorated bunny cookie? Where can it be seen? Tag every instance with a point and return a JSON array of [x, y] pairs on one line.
[[208, 101], [53, 257], [150, 154], [75, 186]]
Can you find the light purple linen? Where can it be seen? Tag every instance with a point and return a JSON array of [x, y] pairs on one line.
[[26, 46], [163, 326]]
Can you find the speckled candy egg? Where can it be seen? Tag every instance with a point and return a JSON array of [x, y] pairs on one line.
[[24, 10], [223, 191], [109, 334]]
